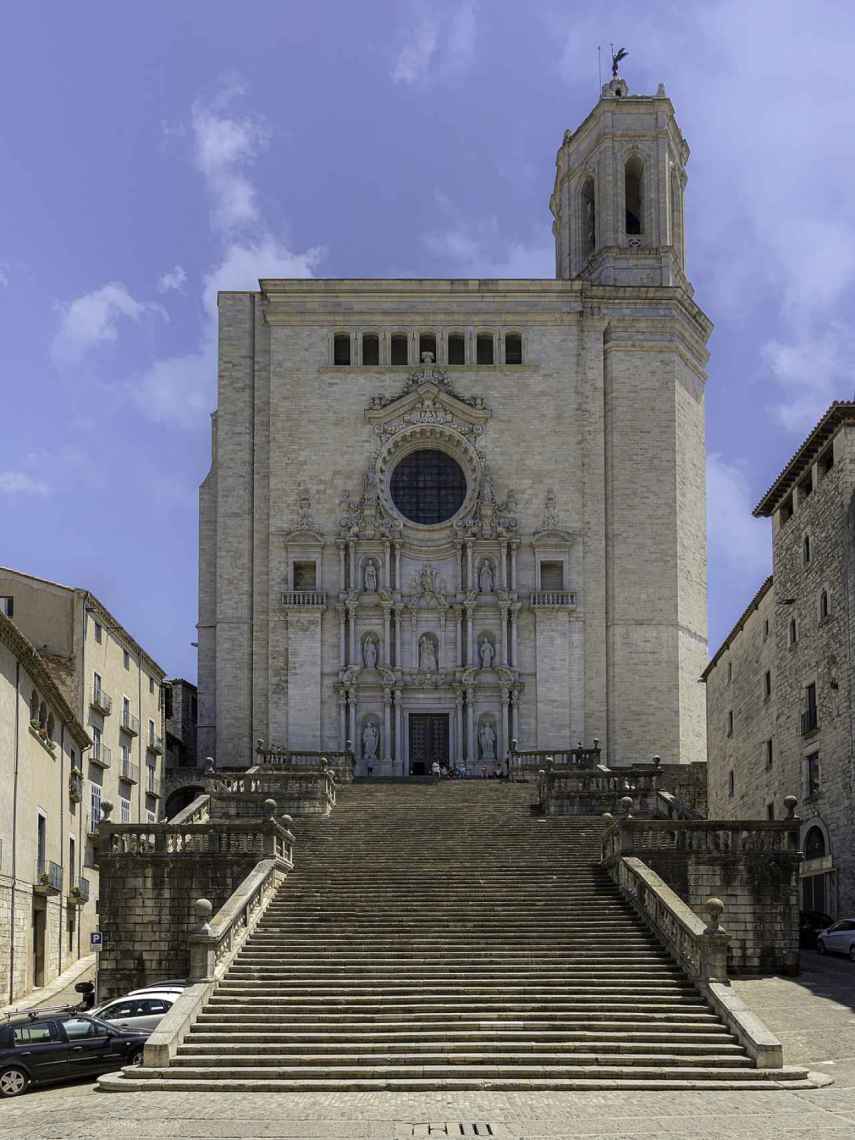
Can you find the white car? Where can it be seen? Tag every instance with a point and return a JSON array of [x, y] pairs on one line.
[[141, 1010], [839, 938]]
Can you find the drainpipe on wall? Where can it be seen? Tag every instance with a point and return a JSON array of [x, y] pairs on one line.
[[15, 830]]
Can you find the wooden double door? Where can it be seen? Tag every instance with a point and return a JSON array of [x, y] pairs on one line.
[[428, 741]]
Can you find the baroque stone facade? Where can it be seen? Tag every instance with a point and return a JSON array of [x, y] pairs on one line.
[[779, 690], [443, 515]]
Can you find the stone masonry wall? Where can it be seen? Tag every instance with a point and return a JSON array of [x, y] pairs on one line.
[[146, 911]]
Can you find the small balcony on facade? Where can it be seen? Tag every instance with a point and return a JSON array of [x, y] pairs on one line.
[[101, 701], [154, 743], [101, 755], [130, 723], [79, 893], [810, 720], [48, 878], [554, 599], [130, 773], [304, 599]]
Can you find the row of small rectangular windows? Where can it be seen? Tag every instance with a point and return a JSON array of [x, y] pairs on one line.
[[399, 349]]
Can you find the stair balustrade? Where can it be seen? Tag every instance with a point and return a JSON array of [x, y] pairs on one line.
[[264, 837], [342, 763]]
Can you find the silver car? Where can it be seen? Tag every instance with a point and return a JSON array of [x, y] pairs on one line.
[[839, 938], [141, 1010]]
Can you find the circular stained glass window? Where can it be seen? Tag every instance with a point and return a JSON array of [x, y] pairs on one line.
[[428, 487]]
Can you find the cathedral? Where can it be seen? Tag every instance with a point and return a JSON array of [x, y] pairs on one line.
[[444, 516]]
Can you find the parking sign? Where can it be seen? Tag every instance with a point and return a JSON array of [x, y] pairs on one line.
[[96, 940]]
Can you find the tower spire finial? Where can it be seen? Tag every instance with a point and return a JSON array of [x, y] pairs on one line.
[[617, 56]]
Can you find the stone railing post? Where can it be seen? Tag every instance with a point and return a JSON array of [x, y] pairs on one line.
[[714, 944], [269, 839], [202, 943]]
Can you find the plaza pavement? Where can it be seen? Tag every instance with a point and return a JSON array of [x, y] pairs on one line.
[[813, 1014]]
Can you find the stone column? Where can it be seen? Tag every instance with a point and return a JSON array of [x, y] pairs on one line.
[[387, 725], [513, 725], [502, 568], [342, 721], [387, 562], [387, 637], [399, 616], [351, 564], [513, 584], [341, 566], [458, 566], [502, 727], [470, 652], [342, 639], [351, 612], [471, 754], [443, 648], [515, 630], [503, 620], [469, 585], [397, 566], [458, 728], [354, 736], [399, 733]]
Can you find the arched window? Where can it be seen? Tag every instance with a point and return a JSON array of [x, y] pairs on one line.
[[341, 349], [456, 348], [427, 343], [588, 203], [513, 348], [633, 175], [370, 348], [398, 347], [34, 707], [484, 346], [823, 605], [814, 844], [677, 217]]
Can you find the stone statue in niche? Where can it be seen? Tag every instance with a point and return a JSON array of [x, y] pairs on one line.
[[487, 740], [369, 653], [427, 654], [369, 577], [370, 741], [487, 652], [486, 578]]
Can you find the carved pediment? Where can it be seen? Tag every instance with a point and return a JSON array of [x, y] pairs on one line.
[[427, 398]]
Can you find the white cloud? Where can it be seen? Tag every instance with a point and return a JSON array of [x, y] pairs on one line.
[[223, 144], [437, 45], [19, 483], [93, 319], [481, 250], [173, 279], [4, 274], [739, 544], [812, 369]]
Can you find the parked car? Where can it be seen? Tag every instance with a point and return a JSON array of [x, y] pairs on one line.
[[41, 1046], [811, 922], [141, 1009], [839, 938]]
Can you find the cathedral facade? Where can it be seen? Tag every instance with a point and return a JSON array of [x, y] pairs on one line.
[[446, 515]]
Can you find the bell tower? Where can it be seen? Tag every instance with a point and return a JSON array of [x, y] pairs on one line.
[[618, 197]]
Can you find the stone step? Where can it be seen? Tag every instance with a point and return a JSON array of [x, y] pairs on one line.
[[416, 1035], [381, 1053], [350, 1064], [449, 1020]]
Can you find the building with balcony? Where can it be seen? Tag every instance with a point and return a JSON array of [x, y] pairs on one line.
[[780, 688], [45, 911], [114, 688], [444, 515]]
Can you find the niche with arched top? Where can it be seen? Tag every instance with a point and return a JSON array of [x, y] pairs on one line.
[[633, 176], [588, 210]]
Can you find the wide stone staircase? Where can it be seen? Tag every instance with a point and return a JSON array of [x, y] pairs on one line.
[[444, 937]]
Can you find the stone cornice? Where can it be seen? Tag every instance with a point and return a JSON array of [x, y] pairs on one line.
[[29, 657]]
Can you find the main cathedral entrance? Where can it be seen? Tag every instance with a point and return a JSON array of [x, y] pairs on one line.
[[428, 741]]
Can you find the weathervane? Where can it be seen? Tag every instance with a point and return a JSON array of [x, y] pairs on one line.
[[617, 56]]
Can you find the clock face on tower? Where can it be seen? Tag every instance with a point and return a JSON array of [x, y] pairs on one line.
[[428, 487]]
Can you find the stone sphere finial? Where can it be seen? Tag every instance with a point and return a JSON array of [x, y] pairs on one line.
[[259, 745], [790, 803], [106, 809], [657, 760], [324, 762], [596, 744], [626, 804], [608, 815], [714, 908], [269, 809], [286, 821], [514, 743], [203, 909]]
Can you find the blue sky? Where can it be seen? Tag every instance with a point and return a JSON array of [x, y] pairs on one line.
[[154, 153]]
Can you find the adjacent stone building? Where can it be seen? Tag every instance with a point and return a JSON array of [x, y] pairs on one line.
[[47, 905], [183, 767], [780, 688], [112, 686], [443, 515]]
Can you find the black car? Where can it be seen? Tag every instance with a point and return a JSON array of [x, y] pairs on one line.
[[43, 1045], [811, 922]]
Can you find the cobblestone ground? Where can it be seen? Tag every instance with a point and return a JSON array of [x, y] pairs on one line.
[[813, 1014]]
